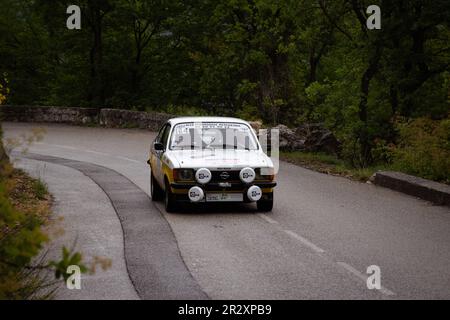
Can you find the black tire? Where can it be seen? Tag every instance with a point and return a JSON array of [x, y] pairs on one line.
[[156, 192], [169, 200], [265, 205]]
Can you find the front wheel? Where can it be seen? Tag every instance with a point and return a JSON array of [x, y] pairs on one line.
[[265, 205], [169, 199]]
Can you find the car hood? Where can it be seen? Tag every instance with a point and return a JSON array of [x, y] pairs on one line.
[[215, 159]]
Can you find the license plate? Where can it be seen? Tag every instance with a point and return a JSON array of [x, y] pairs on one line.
[[221, 197]]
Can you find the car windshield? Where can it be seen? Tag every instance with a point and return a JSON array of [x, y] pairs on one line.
[[212, 135]]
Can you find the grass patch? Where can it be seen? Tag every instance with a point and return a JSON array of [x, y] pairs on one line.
[[29, 195], [328, 164], [40, 189]]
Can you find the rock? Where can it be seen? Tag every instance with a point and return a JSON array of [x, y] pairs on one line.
[[322, 140], [256, 125], [308, 137], [289, 141], [308, 128]]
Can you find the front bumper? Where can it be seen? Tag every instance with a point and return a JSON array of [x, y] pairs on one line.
[[180, 190], [215, 186]]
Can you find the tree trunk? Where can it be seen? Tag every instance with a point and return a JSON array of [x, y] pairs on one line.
[[393, 97], [96, 93], [314, 59], [363, 134]]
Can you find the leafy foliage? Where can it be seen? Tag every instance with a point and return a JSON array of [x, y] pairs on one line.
[[4, 90], [68, 259], [424, 149], [21, 239]]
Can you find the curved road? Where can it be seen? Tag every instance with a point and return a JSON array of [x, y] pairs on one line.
[[318, 242]]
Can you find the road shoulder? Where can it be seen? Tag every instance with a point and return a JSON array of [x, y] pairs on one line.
[[91, 225]]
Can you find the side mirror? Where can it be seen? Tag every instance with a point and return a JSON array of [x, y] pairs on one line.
[[158, 146]]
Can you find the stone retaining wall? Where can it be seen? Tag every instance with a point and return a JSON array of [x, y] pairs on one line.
[[49, 114], [116, 118], [111, 118]]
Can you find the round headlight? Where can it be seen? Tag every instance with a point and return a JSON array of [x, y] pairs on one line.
[[203, 175], [254, 193], [247, 175], [196, 194]]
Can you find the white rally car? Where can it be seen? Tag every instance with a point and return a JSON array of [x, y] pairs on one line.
[[210, 159]]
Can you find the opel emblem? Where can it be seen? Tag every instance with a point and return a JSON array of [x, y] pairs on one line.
[[224, 175]]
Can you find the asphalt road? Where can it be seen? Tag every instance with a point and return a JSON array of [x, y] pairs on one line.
[[317, 243]]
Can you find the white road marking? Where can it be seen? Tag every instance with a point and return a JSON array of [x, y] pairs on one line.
[[363, 277], [96, 152], [88, 151], [66, 147], [267, 218], [306, 242], [57, 145], [127, 159]]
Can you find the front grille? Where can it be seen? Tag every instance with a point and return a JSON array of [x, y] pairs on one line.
[[225, 176]]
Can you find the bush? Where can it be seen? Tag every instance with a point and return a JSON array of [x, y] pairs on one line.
[[21, 239], [424, 149]]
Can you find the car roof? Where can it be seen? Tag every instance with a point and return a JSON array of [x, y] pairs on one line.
[[178, 120]]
